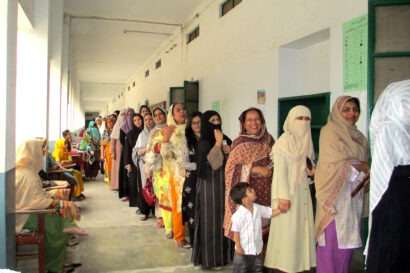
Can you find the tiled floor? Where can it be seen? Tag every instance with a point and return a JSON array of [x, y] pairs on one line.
[[119, 242]]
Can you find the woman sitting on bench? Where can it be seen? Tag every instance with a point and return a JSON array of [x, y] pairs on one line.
[[30, 195]]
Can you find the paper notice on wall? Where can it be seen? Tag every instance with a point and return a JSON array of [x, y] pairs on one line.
[[260, 97], [216, 106], [355, 54]]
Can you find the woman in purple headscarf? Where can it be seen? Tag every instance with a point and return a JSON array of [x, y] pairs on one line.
[[122, 177]]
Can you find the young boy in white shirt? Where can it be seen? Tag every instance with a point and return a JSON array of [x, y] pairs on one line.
[[247, 228]]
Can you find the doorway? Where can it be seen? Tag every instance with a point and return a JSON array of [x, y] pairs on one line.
[[319, 105]]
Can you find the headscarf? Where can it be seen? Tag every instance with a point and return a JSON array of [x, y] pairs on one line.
[[178, 137], [102, 126], [97, 118], [389, 137], [93, 132], [207, 141], [207, 128], [30, 153], [117, 126], [127, 126], [110, 118], [295, 144], [60, 152], [146, 107], [339, 143], [135, 128], [131, 139], [147, 130], [248, 151], [242, 118], [29, 193], [158, 127]]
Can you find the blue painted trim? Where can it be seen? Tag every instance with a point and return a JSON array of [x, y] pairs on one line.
[[7, 220]]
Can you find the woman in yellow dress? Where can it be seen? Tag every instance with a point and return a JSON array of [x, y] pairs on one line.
[[62, 157]]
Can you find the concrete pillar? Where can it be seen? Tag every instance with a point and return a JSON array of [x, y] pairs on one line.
[[56, 51], [33, 50], [8, 43], [65, 71]]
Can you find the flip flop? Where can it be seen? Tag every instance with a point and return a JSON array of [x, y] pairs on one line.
[[72, 265], [160, 224], [73, 242]]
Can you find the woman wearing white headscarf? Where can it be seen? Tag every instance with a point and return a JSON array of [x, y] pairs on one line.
[[291, 244], [389, 237], [138, 153], [116, 148]]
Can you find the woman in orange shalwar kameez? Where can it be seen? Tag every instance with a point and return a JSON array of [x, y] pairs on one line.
[[106, 148]]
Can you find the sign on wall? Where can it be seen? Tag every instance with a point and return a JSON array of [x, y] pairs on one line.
[[216, 106], [355, 54]]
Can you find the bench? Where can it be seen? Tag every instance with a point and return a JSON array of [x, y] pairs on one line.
[[34, 238]]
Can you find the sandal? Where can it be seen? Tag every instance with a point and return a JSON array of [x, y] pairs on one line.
[[72, 265], [73, 242], [160, 223], [184, 244], [169, 234]]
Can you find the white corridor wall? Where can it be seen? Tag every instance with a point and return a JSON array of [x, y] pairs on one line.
[[239, 53]]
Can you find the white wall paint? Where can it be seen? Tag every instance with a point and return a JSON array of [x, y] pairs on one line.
[[54, 111], [8, 48], [43, 63], [243, 51], [32, 76]]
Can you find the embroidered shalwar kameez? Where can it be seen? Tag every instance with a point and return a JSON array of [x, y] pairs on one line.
[[248, 151], [337, 222], [171, 152]]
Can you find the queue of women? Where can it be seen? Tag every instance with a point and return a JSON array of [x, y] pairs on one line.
[[192, 166]]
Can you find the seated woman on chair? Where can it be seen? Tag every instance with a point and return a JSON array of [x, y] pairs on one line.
[[55, 172], [63, 160], [30, 195]]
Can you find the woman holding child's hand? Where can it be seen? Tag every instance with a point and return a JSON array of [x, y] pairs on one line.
[[291, 244]]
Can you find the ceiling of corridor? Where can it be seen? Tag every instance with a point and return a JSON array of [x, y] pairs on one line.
[[112, 39]]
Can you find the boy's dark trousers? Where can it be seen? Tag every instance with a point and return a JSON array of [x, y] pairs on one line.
[[247, 263]]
